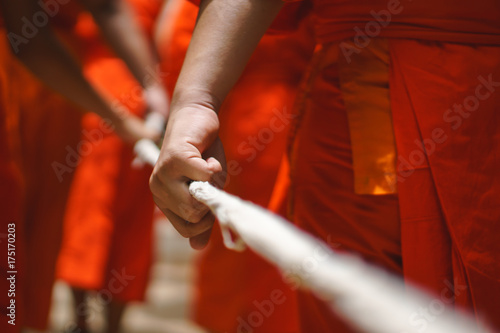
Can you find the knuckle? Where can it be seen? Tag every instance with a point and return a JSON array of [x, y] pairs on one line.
[[153, 182], [189, 231], [156, 179], [190, 213], [165, 162], [185, 233], [171, 157], [196, 216]]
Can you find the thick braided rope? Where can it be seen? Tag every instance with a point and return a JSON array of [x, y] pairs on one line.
[[365, 296], [146, 150]]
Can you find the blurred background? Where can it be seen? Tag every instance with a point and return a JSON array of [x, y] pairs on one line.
[[168, 295]]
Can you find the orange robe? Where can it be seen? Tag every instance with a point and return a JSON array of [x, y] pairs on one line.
[[323, 200], [41, 125], [434, 219], [47, 124], [108, 221], [240, 291], [448, 201], [12, 189]]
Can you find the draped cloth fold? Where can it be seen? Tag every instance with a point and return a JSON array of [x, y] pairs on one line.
[[438, 231]]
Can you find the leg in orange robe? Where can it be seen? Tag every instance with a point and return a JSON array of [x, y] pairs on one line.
[[240, 292], [110, 206], [49, 126], [446, 96], [46, 125], [11, 180]]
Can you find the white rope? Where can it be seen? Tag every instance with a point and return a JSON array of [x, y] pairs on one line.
[[146, 150], [370, 299]]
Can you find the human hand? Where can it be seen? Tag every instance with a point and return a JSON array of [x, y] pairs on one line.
[[157, 102], [191, 151], [132, 128], [157, 99]]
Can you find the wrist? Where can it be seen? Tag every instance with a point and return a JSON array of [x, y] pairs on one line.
[[156, 99], [197, 125], [196, 98]]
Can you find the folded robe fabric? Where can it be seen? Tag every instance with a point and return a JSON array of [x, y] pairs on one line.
[[437, 232]]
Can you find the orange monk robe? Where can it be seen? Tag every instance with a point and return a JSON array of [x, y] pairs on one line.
[[240, 292], [108, 221], [146, 13], [323, 200], [45, 125], [11, 184], [438, 230], [446, 97], [49, 125]]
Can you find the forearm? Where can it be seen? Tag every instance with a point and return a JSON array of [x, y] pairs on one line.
[[46, 58], [55, 67], [226, 34], [116, 21]]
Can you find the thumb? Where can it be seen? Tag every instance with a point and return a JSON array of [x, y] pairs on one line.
[[216, 163]]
